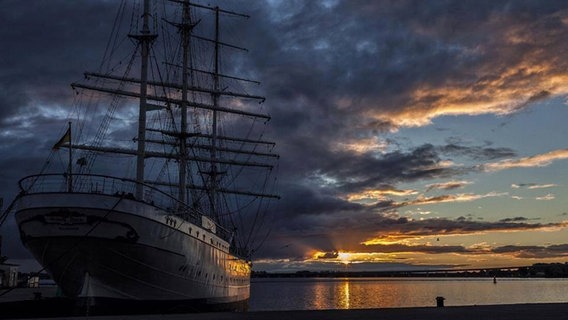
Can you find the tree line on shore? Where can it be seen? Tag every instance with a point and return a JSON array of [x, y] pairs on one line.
[[537, 270]]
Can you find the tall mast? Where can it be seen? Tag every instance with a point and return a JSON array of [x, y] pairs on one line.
[[185, 30], [70, 163], [145, 39], [215, 95]]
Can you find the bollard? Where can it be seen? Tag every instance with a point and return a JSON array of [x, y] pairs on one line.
[[440, 301]]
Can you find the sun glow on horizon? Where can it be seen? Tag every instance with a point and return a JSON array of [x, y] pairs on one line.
[[344, 257]]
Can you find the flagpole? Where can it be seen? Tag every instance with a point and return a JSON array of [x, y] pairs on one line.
[[70, 164]]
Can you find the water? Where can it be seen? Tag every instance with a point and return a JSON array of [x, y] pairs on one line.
[[364, 293]]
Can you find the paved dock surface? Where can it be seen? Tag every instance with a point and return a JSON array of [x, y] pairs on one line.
[[556, 311]]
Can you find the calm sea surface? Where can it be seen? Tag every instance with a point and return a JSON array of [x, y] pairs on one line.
[[362, 293]]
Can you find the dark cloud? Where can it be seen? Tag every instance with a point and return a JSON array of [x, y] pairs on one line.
[[534, 252], [433, 227], [428, 249], [332, 73], [48, 46], [329, 255], [305, 200], [346, 231], [370, 171], [446, 186], [365, 52], [515, 219], [478, 153]]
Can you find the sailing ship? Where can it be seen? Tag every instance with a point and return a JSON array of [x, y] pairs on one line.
[[177, 224]]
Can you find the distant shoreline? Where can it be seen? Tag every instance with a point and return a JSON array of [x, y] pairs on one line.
[[538, 270]]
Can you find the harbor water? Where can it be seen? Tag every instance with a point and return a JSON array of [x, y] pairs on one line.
[[286, 294], [268, 294]]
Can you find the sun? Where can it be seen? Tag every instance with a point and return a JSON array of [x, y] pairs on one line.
[[344, 257]]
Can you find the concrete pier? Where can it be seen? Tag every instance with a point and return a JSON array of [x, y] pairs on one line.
[[547, 311]]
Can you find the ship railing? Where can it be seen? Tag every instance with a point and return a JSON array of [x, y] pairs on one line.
[[113, 186], [96, 184]]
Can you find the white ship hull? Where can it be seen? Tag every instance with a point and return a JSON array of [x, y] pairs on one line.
[[102, 247]]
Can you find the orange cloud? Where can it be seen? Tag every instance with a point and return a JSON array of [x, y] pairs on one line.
[[361, 146], [461, 197], [512, 82], [377, 195], [540, 160], [495, 96]]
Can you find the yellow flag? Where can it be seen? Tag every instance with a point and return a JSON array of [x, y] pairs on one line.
[[66, 138]]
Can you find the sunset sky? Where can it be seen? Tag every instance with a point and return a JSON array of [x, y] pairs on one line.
[[412, 134]]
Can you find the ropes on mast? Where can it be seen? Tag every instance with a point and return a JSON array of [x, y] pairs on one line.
[[218, 156]]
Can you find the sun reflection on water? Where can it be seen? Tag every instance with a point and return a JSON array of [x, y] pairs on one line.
[[357, 293], [345, 298]]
